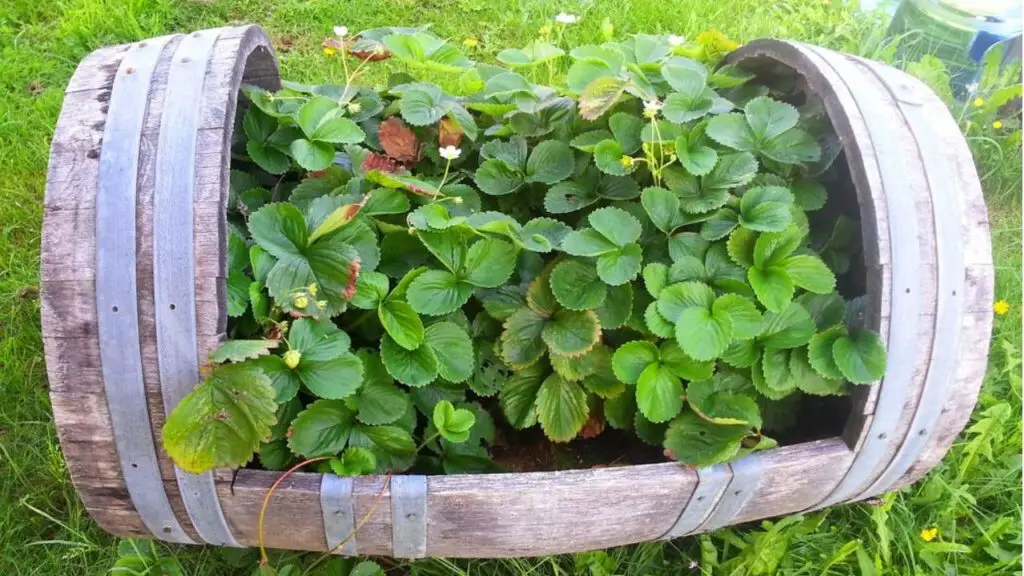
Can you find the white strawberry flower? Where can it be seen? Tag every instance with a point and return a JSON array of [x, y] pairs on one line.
[[563, 18], [675, 40], [450, 152], [651, 108], [341, 31]]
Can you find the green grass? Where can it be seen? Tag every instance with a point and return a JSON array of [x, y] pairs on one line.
[[973, 497]]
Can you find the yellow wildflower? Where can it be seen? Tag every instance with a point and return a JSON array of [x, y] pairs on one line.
[[929, 534], [979, 102], [313, 289], [545, 30], [291, 358], [470, 42], [301, 301], [330, 51], [1001, 307], [997, 124], [626, 161]]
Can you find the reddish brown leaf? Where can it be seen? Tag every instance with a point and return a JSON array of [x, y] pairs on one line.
[[381, 163], [377, 54], [353, 274], [593, 427], [336, 44], [399, 141], [449, 133]]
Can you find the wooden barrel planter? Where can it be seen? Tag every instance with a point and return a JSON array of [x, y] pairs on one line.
[[133, 295]]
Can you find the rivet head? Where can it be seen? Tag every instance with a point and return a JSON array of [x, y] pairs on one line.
[[129, 70], [411, 516], [186, 59]]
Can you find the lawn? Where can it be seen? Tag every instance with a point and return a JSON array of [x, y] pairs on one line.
[[968, 508]]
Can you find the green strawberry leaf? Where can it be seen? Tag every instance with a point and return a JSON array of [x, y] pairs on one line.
[[599, 92], [490, 262], [630, 360], [415, 368], [860, 356], [626, 130], [378, 400], [807, 378], [766, 208], [724, 405], [732, 131], [550, 162], [819, 352], [704, 334], [437, 292], [662, 208], [699, 443], [354, 461], [576, 285], [769, 118], [673, 300], [322, 429], [617, 225], [732, 170], [453, 349], [241, 350], [222, 422], [424, 104], [655, 278], [746, 319], [774, 288], [562, 408], [659, 393], [402, 323], [621, 266], [587, 242], [571, 332], [683, 366], [543, 234], [809, 273], [608, 156], [496, 178], [617, 307], [720, 224], [521, 343], [453, 424], [371, 289], [790, 328], [518, 397]]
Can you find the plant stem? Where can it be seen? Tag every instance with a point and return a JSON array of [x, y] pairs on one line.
[[362, 318], [443, 178], [352, 534], [264, 559], [427, 441]]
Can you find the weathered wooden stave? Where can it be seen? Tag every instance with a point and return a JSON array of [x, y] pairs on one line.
[[511, 514]]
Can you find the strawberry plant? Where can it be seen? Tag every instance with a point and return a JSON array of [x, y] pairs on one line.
[[647, 243]]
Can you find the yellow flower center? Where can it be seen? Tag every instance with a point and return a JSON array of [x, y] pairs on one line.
[[626, 161], [291, 358], [997, 124], [330, 51], [929, 534], [979, 102], [301, 302]]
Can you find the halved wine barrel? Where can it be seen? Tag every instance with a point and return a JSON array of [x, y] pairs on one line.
[[133, 295]]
